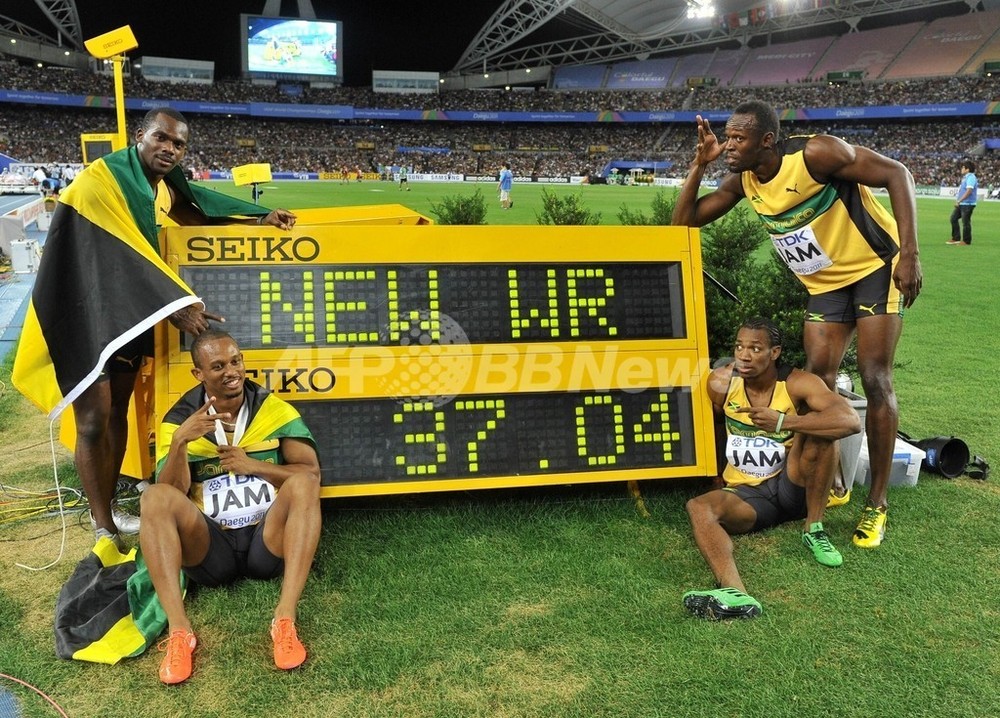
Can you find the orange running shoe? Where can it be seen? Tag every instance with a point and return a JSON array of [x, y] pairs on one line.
[[288, 649], [176, 665]]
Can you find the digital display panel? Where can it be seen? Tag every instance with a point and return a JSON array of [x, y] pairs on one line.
[[429, 358], [385, 305], [96, 145], [292, 48], [493, 435], [94, 150]]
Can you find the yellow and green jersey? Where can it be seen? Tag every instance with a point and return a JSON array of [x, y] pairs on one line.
[[829, 234], [752, 454]]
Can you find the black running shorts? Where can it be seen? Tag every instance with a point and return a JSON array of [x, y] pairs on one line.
[[868, 297], [775, 500], [233, 554], [128, 358]]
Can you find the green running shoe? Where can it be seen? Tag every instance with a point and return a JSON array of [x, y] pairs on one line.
[[721, 604], [817, 541]]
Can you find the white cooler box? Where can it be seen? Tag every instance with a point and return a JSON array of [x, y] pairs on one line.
[[906, 460]]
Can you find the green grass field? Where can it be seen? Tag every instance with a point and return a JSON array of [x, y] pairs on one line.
[[527, 203], [565, 601]]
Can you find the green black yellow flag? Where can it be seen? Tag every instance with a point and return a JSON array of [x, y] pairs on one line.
[[270, 419], [101, 282], [108, 609]]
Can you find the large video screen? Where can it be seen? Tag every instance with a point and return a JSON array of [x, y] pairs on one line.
[[281, 47]]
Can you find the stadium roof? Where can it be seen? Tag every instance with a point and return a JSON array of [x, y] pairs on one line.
[[65, 21], [533, 33], [526, 34]]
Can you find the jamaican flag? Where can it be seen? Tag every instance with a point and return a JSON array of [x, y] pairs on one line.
[[108, 610], [270, 419], [102, 282]]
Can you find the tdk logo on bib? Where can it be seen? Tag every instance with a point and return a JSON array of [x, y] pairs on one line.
[[758, 456], [800, 250]]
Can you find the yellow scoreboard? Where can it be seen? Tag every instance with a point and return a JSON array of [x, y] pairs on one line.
[[429, 358], [96, 145]]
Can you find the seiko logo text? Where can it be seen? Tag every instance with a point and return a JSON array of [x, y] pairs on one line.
[[295, 380], [252, 249]]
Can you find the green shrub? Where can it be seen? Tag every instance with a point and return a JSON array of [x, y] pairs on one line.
[[663, 209], [461, 209], [763, 286], [630, 217], [565, 210]]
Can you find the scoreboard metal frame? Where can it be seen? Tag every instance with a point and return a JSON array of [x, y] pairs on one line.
[[434, 358]]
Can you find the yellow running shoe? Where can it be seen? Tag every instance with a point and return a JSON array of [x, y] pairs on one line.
[[871, 528], [837, 500]]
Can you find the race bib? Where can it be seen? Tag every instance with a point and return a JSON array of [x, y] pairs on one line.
[[236, 501], [757, 456], [800, 250]]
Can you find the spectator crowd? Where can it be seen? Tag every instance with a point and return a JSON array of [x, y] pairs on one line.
[[930, 148]]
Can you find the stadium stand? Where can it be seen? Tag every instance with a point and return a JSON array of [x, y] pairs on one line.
[[579, 77], [782, 63], [990, 52], [725, 64], [945, 46], [652, 73], [694, 65], [867, 51], [930, 149]]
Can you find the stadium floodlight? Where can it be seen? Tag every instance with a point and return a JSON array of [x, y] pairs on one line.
[[113, 46], [700, 8]]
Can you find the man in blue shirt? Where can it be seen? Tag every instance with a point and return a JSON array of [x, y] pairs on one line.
[[504, 186], [965, 203]]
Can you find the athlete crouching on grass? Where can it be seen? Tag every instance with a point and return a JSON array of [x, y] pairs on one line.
[[777, 427], [236, 494]]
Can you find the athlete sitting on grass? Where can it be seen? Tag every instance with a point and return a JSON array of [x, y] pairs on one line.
[[778, 427], [236, 495]]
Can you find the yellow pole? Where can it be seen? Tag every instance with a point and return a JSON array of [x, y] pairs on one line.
[[119, 61], [113, 46]]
